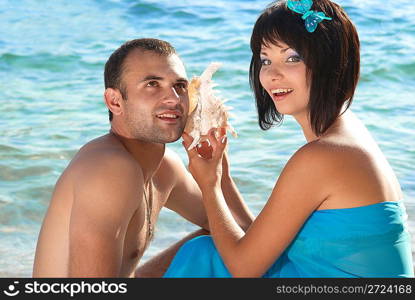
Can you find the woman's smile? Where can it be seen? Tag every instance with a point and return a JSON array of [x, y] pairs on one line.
[[280, 94]]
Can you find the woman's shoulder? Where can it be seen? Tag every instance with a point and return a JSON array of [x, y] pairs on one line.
[[316, 161], [335, 160], [315, 173], [349, 169], [331, 151]]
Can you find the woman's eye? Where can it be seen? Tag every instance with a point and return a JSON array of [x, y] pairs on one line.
[[294, 58], [265, 62], [152, 83]]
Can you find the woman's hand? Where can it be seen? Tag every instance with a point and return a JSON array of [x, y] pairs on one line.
[[207, 171]]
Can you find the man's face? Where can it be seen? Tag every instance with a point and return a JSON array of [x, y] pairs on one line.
[[157, 101]]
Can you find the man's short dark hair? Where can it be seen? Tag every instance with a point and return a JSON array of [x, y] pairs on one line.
[[114, 65], [331, 55]]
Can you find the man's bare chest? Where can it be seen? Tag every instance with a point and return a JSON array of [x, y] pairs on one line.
[[142, 226]]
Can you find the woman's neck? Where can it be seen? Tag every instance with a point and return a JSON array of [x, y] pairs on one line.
[[308, 132], [305, 124]]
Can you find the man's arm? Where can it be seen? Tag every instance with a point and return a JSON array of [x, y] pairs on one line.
[[186, 198], [106, 195]]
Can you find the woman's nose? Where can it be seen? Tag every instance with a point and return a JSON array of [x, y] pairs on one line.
[[275, 73]]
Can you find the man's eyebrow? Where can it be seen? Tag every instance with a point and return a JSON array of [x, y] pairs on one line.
[[154, 77], [151, 77], [182, 80]]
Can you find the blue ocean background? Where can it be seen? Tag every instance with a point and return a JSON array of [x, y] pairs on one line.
[[52, 55]]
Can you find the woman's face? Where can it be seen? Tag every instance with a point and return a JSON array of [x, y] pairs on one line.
[[283, 76]]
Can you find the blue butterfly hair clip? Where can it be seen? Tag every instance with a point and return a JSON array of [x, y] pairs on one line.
[[310, 17]]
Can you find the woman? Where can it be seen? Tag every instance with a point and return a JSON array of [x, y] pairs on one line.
[[336, 209]]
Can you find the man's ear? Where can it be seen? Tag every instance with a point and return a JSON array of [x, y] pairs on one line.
[[113, 100]]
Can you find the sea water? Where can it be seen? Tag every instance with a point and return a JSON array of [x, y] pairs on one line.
[[52, 55]]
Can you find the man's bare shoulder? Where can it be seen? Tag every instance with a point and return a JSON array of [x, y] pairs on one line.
[[172, 171], [172, 158], [102, 161], [172, 163]]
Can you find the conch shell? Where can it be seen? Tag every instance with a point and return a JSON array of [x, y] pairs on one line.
[[206, 110]]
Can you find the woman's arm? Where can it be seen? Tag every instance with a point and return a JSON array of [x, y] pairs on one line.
[[295, 196], [233, 198]]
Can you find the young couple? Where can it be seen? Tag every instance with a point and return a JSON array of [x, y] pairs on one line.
[[336, 209]]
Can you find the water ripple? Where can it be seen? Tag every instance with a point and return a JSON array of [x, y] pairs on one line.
[[51, 62], [11, 174]]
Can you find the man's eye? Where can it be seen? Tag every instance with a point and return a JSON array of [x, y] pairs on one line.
[[181, 86], [294, 58], [152, 83], [265, 62]]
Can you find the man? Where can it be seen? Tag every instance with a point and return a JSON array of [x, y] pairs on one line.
[[105, 204]]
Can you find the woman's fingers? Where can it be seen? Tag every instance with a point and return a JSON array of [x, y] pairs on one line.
[[222, 131], [211, 135], [187, 141], [217, 141], [187, 138]]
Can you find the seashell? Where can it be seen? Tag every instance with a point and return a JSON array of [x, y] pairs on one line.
[[206, 109]]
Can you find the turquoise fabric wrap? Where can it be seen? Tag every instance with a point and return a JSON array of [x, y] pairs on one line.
[[366, 241]]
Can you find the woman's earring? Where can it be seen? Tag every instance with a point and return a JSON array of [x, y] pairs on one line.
[[263, 92]]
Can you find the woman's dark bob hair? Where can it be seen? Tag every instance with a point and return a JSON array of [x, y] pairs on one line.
[[331, 55]]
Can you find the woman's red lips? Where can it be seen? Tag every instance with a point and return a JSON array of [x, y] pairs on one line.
[[279, 94]]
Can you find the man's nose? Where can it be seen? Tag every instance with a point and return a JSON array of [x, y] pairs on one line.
[[171, 96]]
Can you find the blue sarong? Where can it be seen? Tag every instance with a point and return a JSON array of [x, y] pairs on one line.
[[366, 241]]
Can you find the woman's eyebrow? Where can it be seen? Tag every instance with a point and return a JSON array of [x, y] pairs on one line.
[[282, 50]]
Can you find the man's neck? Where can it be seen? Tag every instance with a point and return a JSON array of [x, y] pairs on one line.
[[148, 155]]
